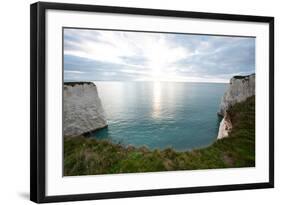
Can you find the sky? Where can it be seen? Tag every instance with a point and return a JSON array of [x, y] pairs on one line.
[[102, 55]]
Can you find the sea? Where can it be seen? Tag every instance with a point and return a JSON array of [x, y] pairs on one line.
[[158, 115]]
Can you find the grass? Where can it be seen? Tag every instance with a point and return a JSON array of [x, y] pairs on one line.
[[85, 156], [242, 76], [78, 83]]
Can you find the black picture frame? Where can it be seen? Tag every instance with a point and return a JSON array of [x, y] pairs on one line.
[[38, 101]]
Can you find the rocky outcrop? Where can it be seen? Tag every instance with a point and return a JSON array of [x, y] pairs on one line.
[[239, 89], [225, 127], [83, 111]]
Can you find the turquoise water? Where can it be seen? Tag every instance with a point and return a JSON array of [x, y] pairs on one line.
[[182, 116]]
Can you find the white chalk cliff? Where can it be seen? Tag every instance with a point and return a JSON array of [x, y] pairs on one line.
[[225, 127], [239, 89], [83, 111]]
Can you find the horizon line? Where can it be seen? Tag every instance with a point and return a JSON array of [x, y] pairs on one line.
[[151, 81]]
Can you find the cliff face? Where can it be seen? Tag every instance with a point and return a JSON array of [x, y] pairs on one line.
[[83, 111], [240, 88], [225, 127]]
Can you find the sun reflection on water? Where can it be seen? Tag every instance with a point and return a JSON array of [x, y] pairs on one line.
[[156, 100]]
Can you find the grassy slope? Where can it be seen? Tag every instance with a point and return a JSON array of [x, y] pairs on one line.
[[83, 156]]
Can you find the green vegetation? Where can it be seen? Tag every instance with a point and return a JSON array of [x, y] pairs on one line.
[[77, 83], [242, 76], [84, 156]]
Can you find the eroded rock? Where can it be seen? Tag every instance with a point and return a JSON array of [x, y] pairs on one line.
[[83, 111], [239, 89]]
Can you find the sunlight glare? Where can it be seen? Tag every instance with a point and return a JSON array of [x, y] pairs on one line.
[[156, 109]]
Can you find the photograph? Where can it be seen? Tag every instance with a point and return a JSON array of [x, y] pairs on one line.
[[134, 102], [149, 101]]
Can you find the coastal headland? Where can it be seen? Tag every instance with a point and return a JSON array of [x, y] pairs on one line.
[[235, 146]]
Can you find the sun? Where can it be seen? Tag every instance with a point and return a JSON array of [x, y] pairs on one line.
[[156, 74], [161, 59], [157, 64]]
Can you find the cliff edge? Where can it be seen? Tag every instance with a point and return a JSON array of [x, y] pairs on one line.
[[239, 89], [83, 111]]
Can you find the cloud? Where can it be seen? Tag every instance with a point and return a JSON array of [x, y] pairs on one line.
[[119, 55]]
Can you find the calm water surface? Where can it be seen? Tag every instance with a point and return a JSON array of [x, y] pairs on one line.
[[182, 116]]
